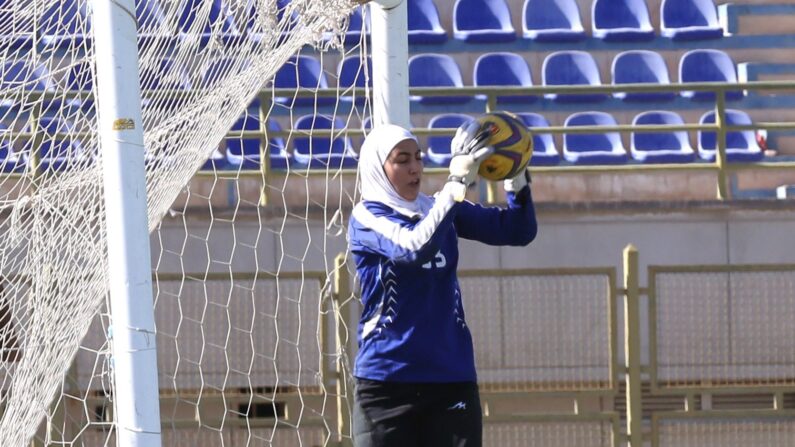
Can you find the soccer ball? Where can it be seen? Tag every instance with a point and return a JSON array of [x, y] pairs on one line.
[[512, 142]]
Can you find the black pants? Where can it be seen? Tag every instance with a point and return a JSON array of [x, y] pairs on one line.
[[391, 414]]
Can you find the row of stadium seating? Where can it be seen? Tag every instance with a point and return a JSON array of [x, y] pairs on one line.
[[560, 20], [511, 70], [473, 21], [576, 68], [607, 148], [322, 152], [440, 70]]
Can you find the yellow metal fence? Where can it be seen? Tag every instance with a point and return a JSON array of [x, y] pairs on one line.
[[555, 364]]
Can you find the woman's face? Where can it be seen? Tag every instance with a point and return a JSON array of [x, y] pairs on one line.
[[403, 168]]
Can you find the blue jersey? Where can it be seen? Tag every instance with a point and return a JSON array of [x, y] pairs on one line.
[[413, 327]]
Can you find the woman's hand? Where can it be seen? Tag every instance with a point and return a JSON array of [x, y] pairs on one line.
[[469, 149], [516, 184]]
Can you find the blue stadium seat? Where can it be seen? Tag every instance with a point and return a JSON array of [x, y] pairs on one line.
[[482, 21], [660, 147], [302, 72], [435, 70], [215, 162], [424, 24], [243, 153], [80, 79], [9, 161], [151, 22], [708, 66], [552, 21], [350, 73], [544, 151], [214, 71], [641, 67], [64, 23], [741, 146], [55, 153], [20, 75], [621, 20], [439, 146], [359, 18], [689, 20], [255, 31], [367, 123], [18, 36], [214, 14], [503, 69], [593, 149], [164, 76], [321, 152], [571, 68]]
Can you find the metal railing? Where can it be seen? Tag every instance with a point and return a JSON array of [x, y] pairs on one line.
[[720, 166], [581, 408]]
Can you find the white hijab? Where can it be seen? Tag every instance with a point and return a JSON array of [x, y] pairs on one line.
[[375, 186]]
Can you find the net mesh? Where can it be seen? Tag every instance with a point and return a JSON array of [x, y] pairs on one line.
[[771, 432], [554, 331], [201, 65], [725, 328], [572, 434]]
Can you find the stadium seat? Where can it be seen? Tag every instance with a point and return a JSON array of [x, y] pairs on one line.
[[164, 76], [571, 68], [255, 32], [503, 69], [741, 146], [80, 79], [367, 123], [151, 21], [482, 21], [439, 146], [19, 35], [322, 152], [63, 24], [55, 154], [689, 20], [621, 20], [641, 67], [593, 149], [244, 153], [19, 74], [214, 71], [9, 161], [359, 18], [552, 21], [350, 73], [435, 70], [660, 147], [708, 66], [424, 24], [303, 72], [215, 162], [544, 151], [215, 14]]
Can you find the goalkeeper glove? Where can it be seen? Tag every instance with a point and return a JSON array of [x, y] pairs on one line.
[[469, 149], [516, 184]]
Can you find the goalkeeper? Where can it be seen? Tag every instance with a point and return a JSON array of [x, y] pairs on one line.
[[415, 371]]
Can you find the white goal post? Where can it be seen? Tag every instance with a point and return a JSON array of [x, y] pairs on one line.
[[238, 320], [121, 141]]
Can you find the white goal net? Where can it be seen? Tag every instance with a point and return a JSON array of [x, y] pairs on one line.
[[245, 227]]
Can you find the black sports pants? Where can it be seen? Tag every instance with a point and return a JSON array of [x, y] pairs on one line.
[[392, 414]]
